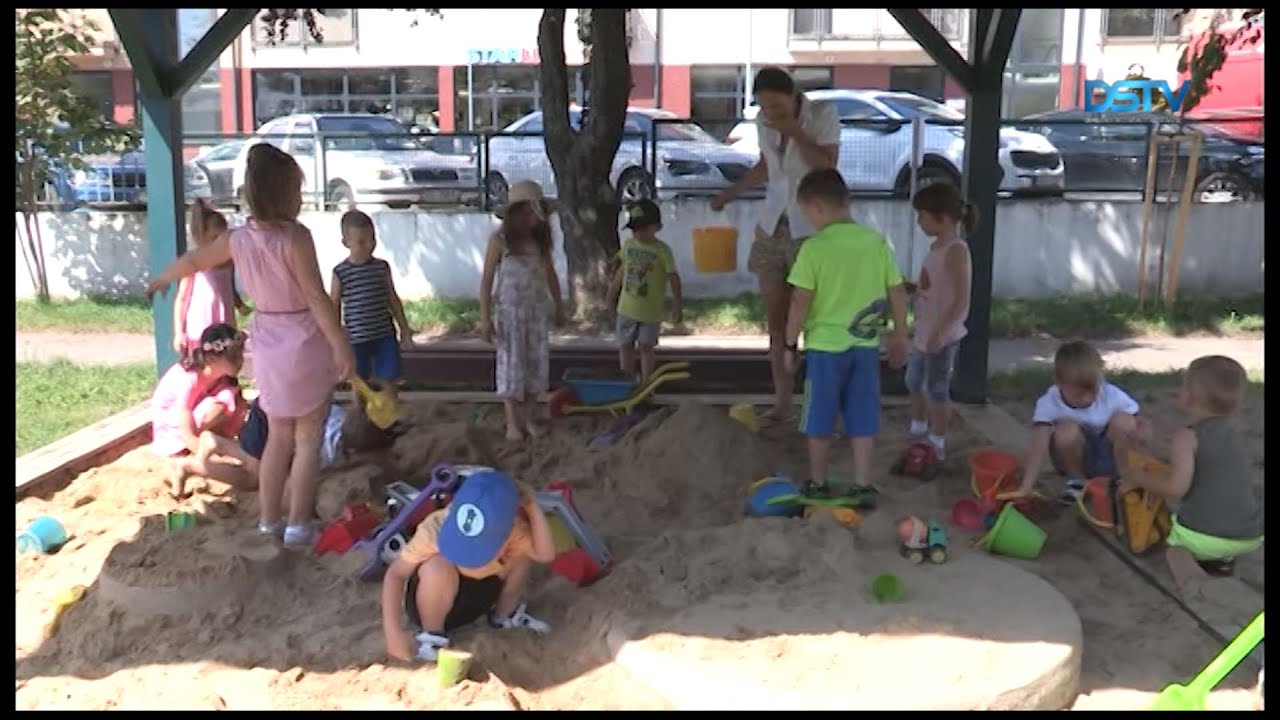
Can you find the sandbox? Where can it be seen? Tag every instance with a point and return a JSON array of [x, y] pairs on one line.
[[695, 584]]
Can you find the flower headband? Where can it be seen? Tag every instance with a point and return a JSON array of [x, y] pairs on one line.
[[221, 345]]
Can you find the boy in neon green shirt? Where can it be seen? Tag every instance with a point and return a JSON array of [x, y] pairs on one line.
[[842, 276], [646, 268]]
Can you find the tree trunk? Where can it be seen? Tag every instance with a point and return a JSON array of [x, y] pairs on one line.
[[582, 160], [35, 239]]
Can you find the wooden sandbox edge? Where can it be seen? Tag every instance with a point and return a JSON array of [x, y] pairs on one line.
[[98, 444]]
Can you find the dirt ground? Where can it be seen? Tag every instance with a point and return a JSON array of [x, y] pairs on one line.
[[667, 499]]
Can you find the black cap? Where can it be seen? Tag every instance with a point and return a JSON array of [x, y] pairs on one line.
[[643, 213]]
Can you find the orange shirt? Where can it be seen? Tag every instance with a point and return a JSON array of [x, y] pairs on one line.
[[424, 545]]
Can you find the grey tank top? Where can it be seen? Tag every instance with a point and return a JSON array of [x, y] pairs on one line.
[[1221, 501]]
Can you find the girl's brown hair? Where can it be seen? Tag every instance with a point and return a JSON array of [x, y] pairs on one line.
[[217, 340], [516, 233], [945, 199], [272, 182], [206, 222]]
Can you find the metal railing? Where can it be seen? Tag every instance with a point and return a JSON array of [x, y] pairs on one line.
[[1067, 157]]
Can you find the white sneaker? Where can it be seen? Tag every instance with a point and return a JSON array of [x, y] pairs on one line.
[[275, 529], [298, 536], [520, 619], [1071, 491], [430, 645]]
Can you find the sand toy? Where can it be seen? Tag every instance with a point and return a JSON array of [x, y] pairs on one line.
[[1013, 535], [921, 540], [44, 535], [1192, 695], [920, 460], [380, 404], [556, 502], [61, 603], [584, 392]]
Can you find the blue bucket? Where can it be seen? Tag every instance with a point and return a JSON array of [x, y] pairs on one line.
[[43, 535], [768, 489]]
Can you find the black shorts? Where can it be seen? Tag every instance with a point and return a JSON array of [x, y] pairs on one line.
[[474, 600], [253, 434]]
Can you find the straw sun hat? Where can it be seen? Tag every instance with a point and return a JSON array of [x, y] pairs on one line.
[[527, 191]]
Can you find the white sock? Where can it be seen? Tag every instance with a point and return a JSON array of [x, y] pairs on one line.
[[939, 441], [919, 427]]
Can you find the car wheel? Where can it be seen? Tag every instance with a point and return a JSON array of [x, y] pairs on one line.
[[1223, 187], [340, 197], [928, 174], [497, 188], [635, 185]]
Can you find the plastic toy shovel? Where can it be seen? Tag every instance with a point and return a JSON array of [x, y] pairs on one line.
[[379, 406], [1192, 696]]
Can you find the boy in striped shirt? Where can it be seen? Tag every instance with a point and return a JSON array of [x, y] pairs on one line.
[[366, 300]]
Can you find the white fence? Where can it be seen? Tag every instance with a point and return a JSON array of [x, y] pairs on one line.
[[1048, 247]]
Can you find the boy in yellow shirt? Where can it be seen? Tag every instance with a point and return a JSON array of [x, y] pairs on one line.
[[469, 559], [646, 268], [841, 277]]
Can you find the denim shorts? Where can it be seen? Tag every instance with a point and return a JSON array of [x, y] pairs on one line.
[[633, 332], [931, 373]]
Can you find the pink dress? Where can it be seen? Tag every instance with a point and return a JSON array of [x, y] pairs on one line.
[[933, 299], [212, 301], [292, 362]]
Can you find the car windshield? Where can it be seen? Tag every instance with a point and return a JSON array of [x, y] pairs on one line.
[[366, 133], [913, 107]]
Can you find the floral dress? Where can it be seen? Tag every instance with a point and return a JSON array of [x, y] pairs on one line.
[[521, 326]]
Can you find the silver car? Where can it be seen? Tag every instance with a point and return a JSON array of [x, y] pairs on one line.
[[365, 159], [689, 160], [876, 144]]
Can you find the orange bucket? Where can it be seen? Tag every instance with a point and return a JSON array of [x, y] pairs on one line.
[[1097, 504], [715, 249], [993, 473]]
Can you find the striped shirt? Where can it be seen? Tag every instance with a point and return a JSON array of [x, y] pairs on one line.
[[366, 300]]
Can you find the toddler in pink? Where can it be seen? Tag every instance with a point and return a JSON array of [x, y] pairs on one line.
[[208, 297]]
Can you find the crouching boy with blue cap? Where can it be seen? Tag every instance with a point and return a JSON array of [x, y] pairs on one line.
[[469, 559]]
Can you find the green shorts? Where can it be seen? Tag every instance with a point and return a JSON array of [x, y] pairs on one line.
[[1208, 547]]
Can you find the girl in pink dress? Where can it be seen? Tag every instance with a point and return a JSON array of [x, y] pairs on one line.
[[209, 297], [197, 406], [299, 348]]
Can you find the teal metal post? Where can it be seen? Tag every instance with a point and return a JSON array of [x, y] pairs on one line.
[[990, 37], [162, 134]]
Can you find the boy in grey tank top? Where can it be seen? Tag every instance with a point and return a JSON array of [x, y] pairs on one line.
[[1218, 515]]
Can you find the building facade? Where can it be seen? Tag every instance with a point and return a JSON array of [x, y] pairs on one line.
[[478, 69]]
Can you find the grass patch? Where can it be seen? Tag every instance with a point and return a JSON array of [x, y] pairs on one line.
[[87, 315], [58, 398], [1026, 384], [1118, 316], [1085, 316]]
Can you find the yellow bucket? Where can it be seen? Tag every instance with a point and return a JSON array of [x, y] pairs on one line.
[[715, 249]]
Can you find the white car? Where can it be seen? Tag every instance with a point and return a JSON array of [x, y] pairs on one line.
[[690, 161], [875, 144], [365, 159]]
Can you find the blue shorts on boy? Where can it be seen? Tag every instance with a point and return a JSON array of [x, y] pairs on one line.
[[377, 358], [634, 332], [849, 269], [930, 373], [1099, 457]]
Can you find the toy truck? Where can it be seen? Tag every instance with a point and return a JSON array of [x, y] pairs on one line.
[[922, 540]]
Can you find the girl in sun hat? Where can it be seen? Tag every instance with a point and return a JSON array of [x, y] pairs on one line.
[[469, 559], [519, 273]]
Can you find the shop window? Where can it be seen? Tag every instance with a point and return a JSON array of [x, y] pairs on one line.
[[923, 80], [1141, 23], [718, 95], [495, 97], [338, 27]]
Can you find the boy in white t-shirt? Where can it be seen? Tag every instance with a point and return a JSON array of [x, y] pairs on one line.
[[1082, 422]]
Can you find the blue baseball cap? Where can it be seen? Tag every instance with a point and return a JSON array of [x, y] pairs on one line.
[[480, 518]]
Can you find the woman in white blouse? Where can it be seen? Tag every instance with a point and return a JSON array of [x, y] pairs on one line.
[[797, 136]]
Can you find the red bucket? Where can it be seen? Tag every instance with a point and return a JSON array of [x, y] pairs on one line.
[[968, 514], [993, 473]]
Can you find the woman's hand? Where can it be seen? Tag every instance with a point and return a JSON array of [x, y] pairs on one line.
[[159, 285], [719, 201], [180, 344]]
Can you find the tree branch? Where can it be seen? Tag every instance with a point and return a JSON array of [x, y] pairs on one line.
[[556, 130], [610, 80]]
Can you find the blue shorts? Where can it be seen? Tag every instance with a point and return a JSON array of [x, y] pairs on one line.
[[1099, 456], [378, 358], [931, 374], [845, 384]]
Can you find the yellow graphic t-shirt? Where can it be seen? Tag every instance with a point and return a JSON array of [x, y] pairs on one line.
[[645, 267]]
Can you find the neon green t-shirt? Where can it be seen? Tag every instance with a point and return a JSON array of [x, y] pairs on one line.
[[849, 268], [645, 267]]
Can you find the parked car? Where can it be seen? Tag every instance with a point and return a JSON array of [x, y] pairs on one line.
[[689, 160], [876, 144], [365, 159], [218, 164], [1108, 151]]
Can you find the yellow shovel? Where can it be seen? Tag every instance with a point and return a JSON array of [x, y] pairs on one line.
[[380, 406]]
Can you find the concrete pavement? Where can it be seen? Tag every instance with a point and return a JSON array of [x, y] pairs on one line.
[[1144, 354]]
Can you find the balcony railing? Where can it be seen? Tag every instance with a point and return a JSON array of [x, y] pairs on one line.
[[834, 25]]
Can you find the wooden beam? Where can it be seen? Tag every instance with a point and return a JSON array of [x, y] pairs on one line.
[[939, 48], [998, 41], [128, 26], [206, 51]]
